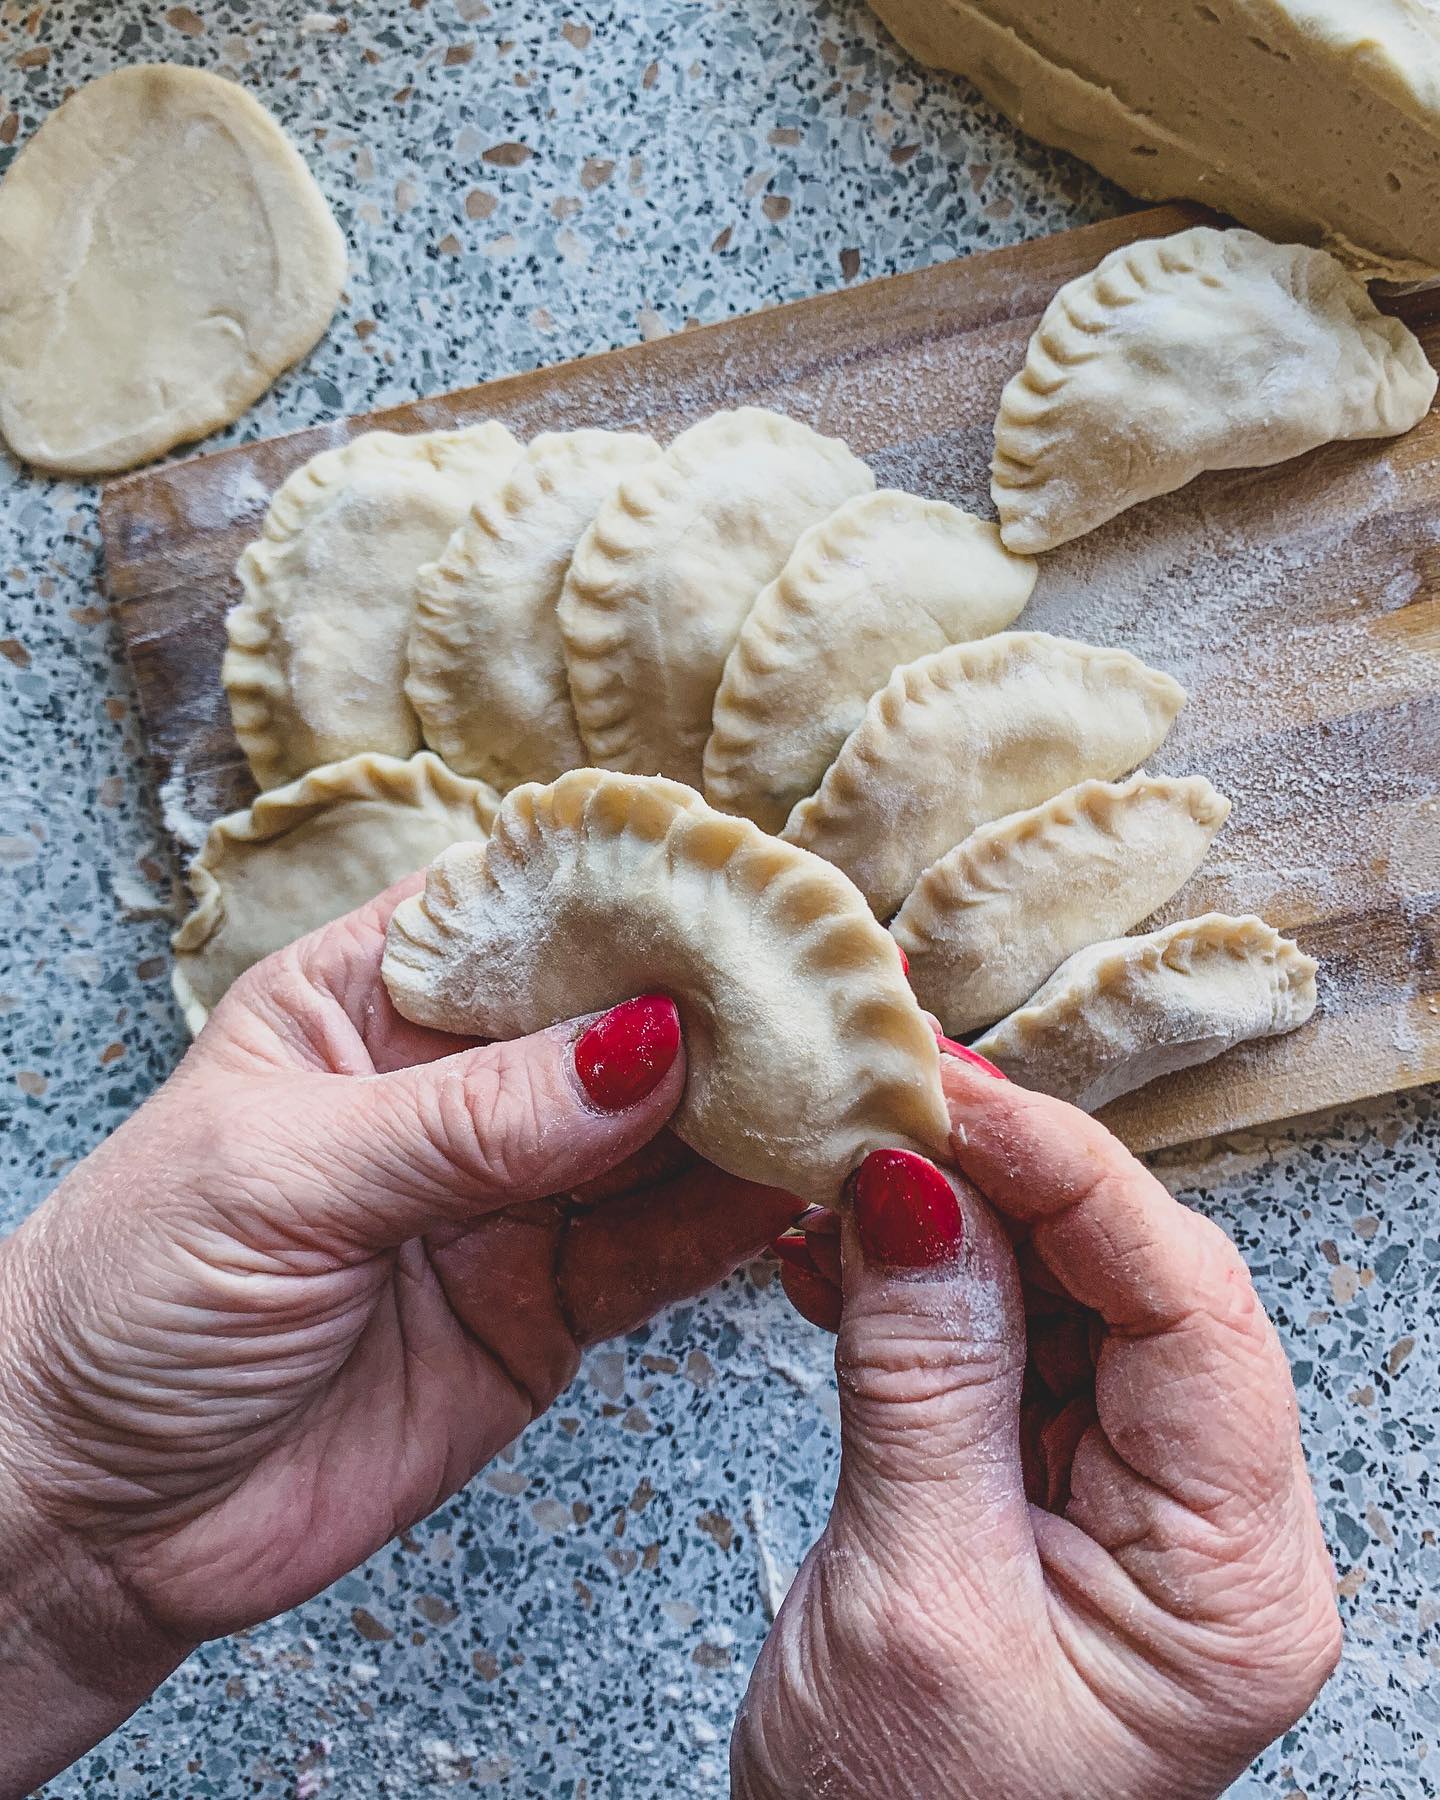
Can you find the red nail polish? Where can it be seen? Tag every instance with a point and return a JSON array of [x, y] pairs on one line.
[[904, 961], [906, 1211], [791, 1248], [625, 1056], [948, 1047]]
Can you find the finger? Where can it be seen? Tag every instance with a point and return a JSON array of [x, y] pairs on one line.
[[813, 1297], [1100, 1224], [628, 1257], [1192, 1387], [661, 1160], [930, 1361], [371, 1163]]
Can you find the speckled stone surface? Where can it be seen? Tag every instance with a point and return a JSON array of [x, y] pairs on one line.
[[521, 184]]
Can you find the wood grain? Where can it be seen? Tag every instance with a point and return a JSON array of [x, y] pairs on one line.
[[909, 370]]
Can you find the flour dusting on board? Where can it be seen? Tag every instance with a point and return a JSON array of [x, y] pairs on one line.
[[1295, 603]]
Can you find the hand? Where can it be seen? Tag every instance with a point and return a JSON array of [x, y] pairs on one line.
[[301, 1297], [1074, 1552]]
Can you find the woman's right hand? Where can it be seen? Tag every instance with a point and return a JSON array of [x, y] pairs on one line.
[[1074, 1551]]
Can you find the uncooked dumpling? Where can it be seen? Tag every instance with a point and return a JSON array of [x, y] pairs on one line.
[[805, 1047], [487, 667], [999, 913], [1117, 1015], [304, 854], [1207, 350], [969, 734], [316, 666], [886, 578], [673, 561], [164, 254]]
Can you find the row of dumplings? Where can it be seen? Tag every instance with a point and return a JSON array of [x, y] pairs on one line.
[[746, 613]]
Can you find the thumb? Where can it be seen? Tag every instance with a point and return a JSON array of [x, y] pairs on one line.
[[386, 1158], [930, 1360]]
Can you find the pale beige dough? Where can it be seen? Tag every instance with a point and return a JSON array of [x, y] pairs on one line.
[[999, 913], [886, 578], [805, 1048], [972, 733], [164, 254], [1317, 120], [487, 667], [302, 855], [1207, 350], [664, 576], [315, 670], [1117, 1015]]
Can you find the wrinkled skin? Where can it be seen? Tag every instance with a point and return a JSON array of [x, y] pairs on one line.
[[1074, 1552], [287, 1310], [323, 1276]]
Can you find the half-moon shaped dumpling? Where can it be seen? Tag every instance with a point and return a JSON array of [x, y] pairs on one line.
[[1207, 350], [302, 855], [487, 667], [1117, 1015], [886, 578], [805, 1047], [667, 571], [316, 665], [999, 913], [969, 734]]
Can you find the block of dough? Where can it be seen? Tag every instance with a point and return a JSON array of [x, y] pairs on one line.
[[667, 571], [487, 666], [998, 914], [886, 578], [970, 734], [304, 854], [1206, 350], [805, 1048], [1312, 120], [164, 254], [315, 671], [1117, 1015]]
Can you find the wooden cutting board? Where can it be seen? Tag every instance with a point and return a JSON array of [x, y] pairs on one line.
[[1298, 605]]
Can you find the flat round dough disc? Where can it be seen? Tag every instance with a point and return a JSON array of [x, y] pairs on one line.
[[164, 254], [304, 854], [805, 1047]]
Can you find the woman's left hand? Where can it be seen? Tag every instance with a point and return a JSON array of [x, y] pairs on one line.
[[1074, 1551], [324, 1275]]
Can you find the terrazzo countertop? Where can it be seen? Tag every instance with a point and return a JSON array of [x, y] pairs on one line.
[[521, 184]]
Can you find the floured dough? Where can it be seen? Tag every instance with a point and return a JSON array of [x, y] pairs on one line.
[[886, 578], [1207, 350], [666, 573], [164, 254], [805, 1047], [1117, 1015], [1309, 119], [1000, 912], [487, 667], [969, 734], [316, 665], [304, 854]]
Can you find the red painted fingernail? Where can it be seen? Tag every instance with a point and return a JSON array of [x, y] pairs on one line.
[[906, 1211], [904, 959], [948, 1047], [791, 1248], [626, 1055]]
